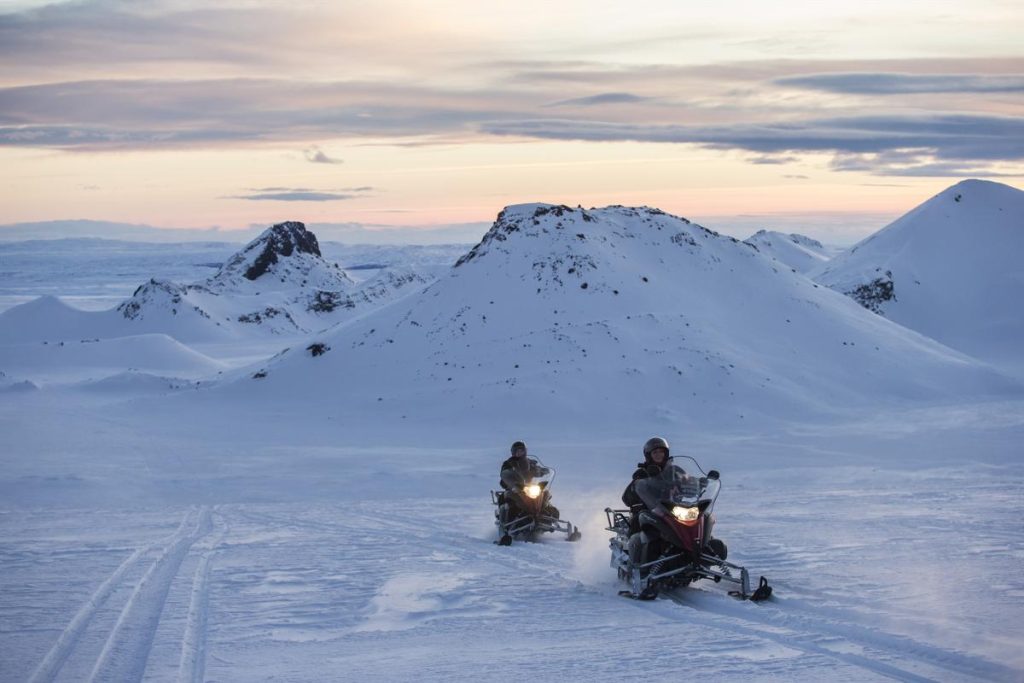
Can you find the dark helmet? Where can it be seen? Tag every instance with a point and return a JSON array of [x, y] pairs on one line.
[[656, 442], [518, 445]]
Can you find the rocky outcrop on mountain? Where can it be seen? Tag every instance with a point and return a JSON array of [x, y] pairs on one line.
[[162, 295], [872, 295], [281, 240], [283, 256]]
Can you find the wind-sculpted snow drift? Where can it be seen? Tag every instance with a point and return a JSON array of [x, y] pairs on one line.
[[625, 313], [88, 358]]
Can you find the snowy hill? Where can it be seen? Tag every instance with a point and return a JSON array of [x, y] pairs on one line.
[[87, 358], [278, 284], [622, 313], [950, 269], [800, 253]]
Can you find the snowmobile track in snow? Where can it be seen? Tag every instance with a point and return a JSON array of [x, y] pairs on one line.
[[805, 632], [58, 654], [193, 642], [126, 651]]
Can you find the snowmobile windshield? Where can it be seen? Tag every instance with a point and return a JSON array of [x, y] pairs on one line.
[[677, 486], [535, 479], [540, 473]]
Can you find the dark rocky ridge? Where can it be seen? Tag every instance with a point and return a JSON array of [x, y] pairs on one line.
[[283, 239]]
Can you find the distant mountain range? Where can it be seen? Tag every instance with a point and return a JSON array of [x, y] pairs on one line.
[[622, 313], [278, 284], [614, 312]]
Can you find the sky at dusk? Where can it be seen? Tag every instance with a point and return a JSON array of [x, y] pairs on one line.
[[827, 117]]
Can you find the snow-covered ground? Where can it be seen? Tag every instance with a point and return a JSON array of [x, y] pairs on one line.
[[232, 551], [166, 516]]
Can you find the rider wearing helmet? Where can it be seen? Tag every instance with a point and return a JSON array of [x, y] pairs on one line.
[[519, 469], [657, 456]]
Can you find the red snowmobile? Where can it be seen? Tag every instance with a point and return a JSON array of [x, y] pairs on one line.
[[667, 543]]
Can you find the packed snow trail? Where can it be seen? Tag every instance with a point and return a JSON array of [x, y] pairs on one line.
[[58, 654], [126, 651], [193, 643]]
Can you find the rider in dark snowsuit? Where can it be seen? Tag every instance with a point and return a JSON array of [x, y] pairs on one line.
[[516, 471], [656, 458]]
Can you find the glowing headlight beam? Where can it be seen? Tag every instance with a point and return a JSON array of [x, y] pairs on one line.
[[532, 490], [686, 515]]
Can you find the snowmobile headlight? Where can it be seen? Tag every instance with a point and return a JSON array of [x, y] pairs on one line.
[[532, 490], [687, 516]]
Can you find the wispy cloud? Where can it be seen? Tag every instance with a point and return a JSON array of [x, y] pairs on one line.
[[902, 84], [773, 160], [772, 109], [941, 137], [604, 98], [119, 114], [315, 155], [296, 196], [107, 32], [913, 164], [302, 194], [365, 188]]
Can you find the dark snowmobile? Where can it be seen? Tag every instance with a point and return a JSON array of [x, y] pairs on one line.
[[525, 510], [667, 543]]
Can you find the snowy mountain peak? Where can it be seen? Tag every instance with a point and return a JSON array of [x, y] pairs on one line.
[[970, 206], [277, 242], [977, 188], [285, 255], [578, 234], [950, 269]]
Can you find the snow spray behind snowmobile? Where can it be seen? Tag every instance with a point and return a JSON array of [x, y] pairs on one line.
[[524, 510], [667, 543]]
